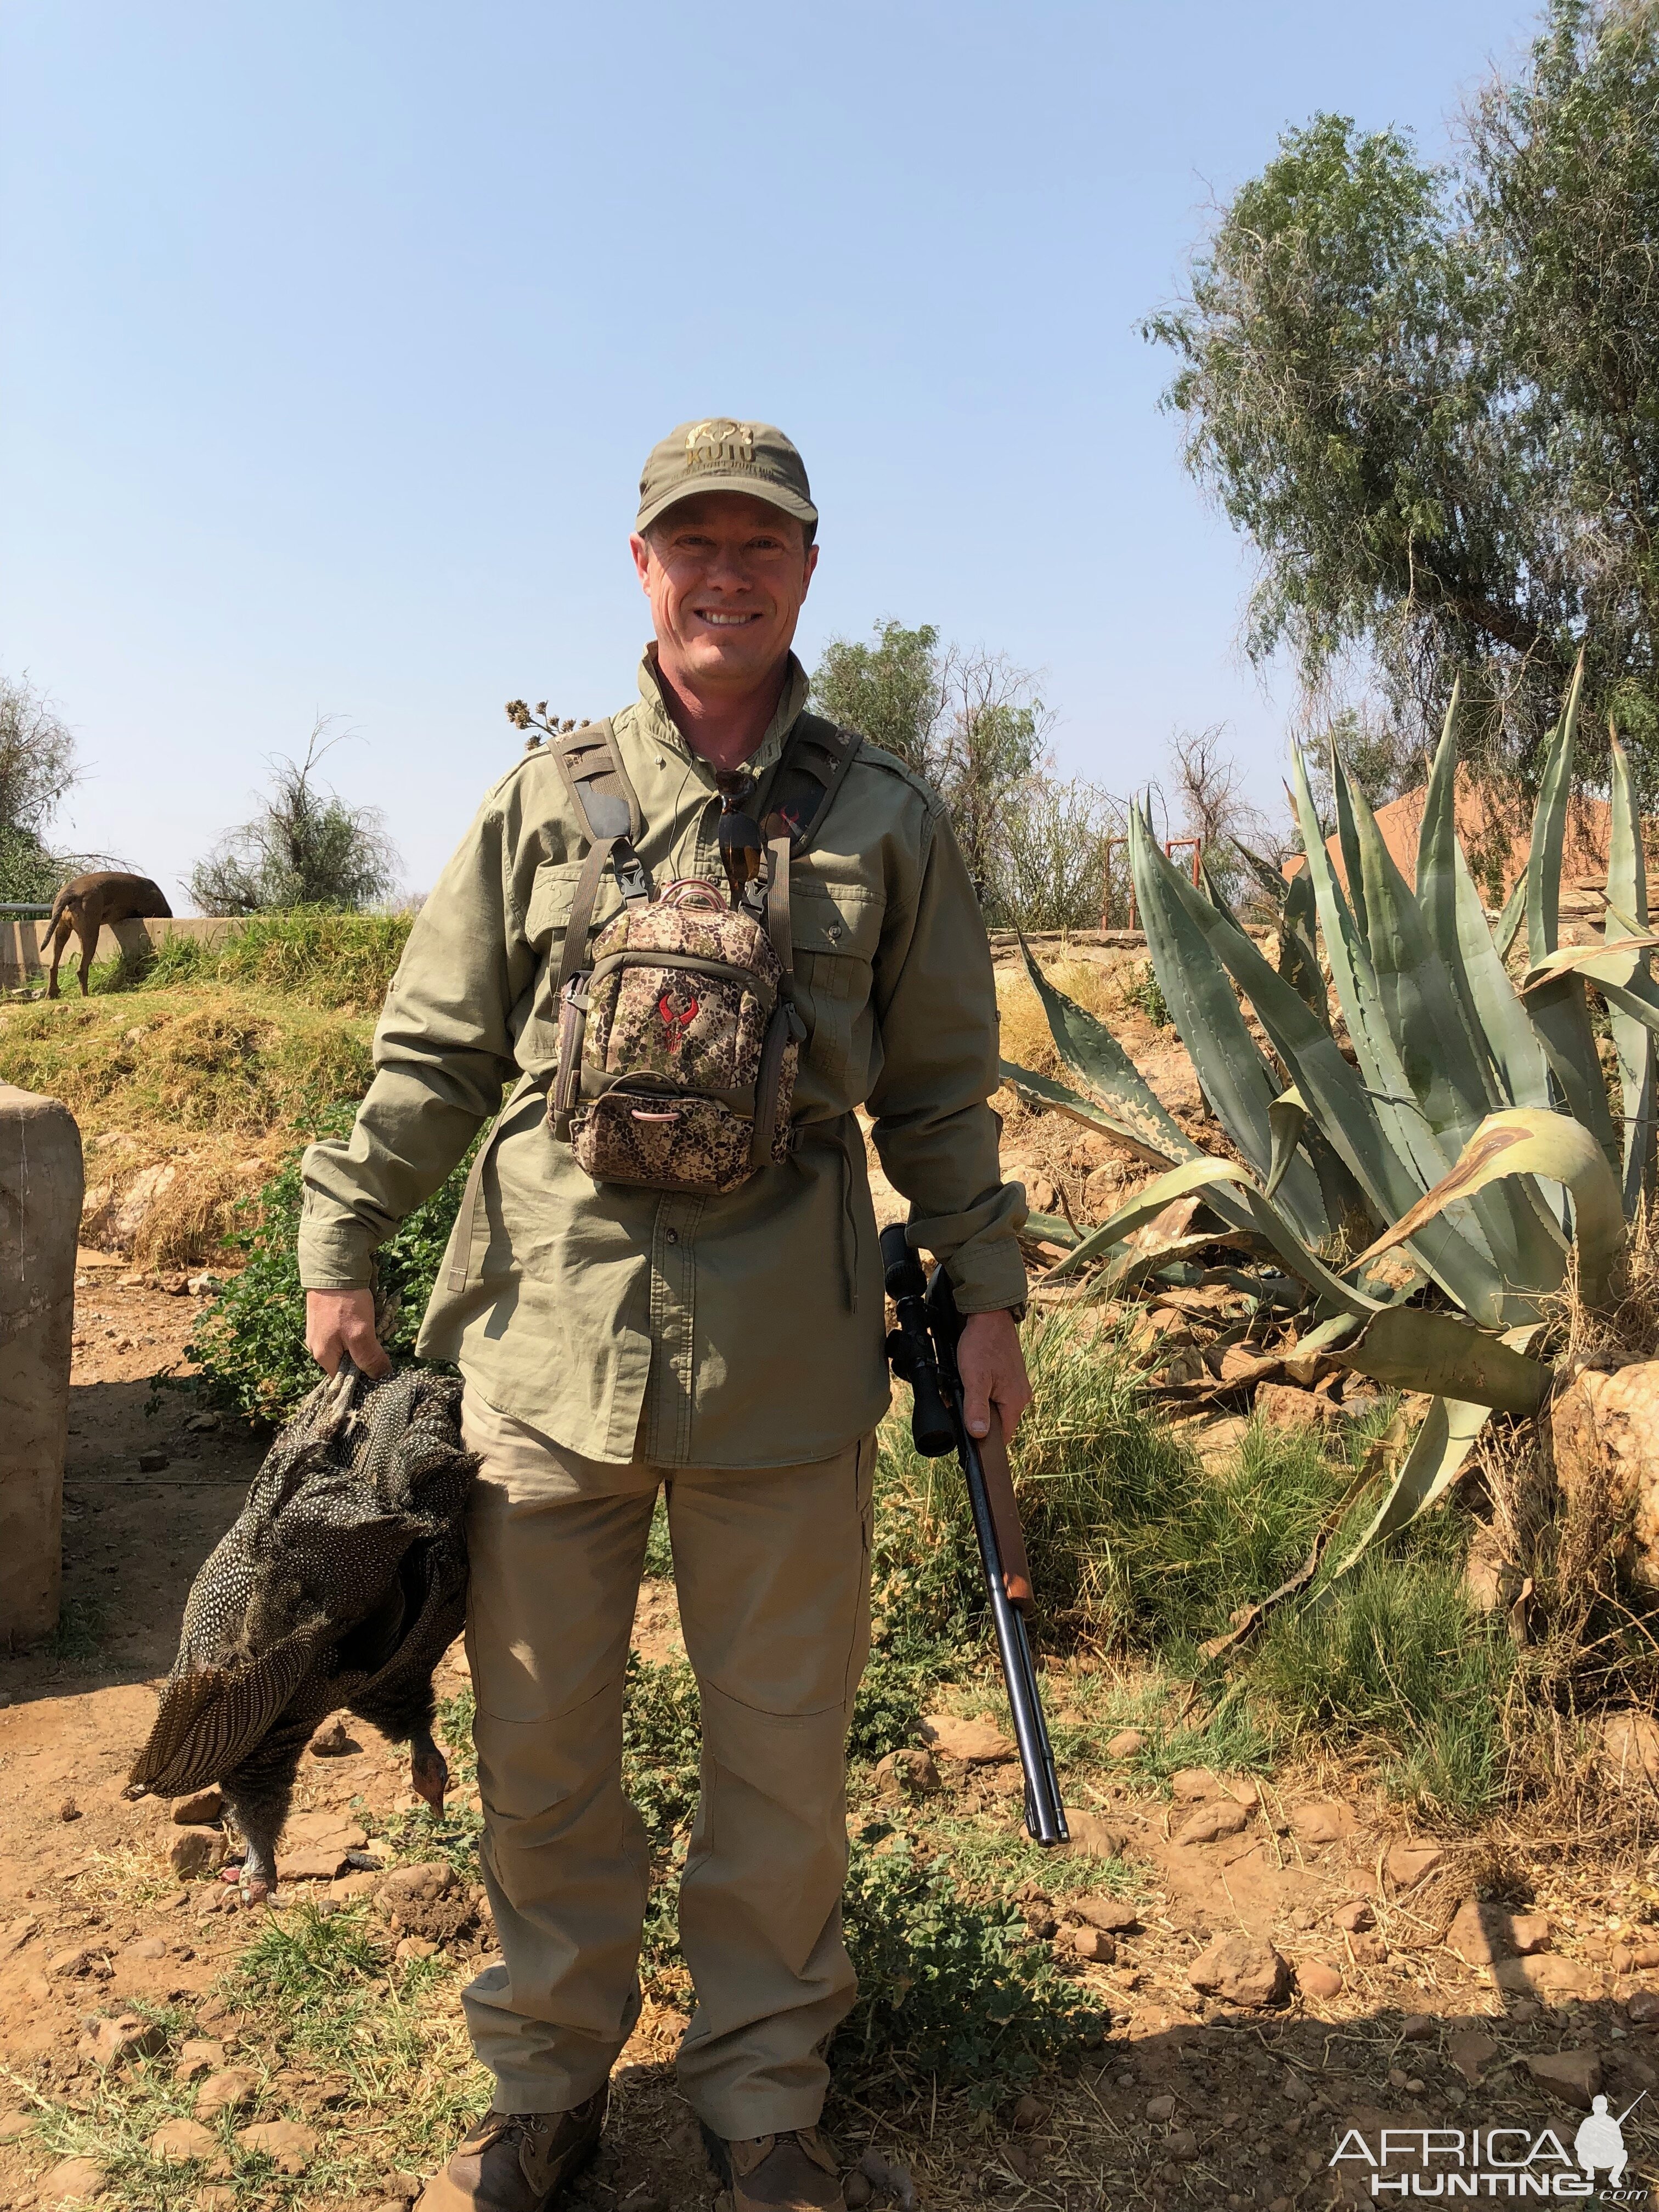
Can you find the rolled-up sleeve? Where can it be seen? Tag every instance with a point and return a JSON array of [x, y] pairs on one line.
[[443, 1050], [935, 1133]]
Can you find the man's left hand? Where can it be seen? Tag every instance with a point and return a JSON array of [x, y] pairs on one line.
[[992, 1370]]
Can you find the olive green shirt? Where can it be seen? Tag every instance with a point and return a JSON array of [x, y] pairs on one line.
[[745, 1330]]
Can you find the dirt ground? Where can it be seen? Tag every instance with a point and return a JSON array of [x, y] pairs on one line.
[[1207, 2101]]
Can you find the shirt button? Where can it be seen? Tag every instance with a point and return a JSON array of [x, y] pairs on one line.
[[673, 1236]]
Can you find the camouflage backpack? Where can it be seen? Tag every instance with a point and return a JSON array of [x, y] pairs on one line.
[[678, 1034]]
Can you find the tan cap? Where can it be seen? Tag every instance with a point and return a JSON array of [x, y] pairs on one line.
[[717, 454]]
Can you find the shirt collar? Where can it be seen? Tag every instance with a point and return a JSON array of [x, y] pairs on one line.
[[792, 703]]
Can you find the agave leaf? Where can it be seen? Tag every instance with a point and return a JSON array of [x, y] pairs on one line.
[[1549, 828], [1298, 946], [1510, 922], [1438, 1454], [1235, 1079], [1338, 1102], [1617, 959], [1518, 1060], [1561, 1019], [1203, 1173], [1286, 1118], [1415, 1348], [1094, 1055], [1044, 1090], [1273, 880], [1521, 1141], [1438, 856], [1347, 838]]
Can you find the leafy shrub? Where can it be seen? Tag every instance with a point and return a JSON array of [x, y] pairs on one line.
[[251, 1343], [950, 1984], [319, 955], [662, 1742], [1146, 993]]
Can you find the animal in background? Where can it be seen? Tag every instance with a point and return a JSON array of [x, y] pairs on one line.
[[87, 903], [342, 1581]]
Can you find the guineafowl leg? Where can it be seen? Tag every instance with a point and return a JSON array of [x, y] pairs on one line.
[[260, 1793], [428, 1770]]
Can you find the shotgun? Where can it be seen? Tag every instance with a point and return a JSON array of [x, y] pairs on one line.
[[922, 1351]]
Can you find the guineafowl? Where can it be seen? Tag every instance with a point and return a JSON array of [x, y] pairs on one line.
[[342, 1581]]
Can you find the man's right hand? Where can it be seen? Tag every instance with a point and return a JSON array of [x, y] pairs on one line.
[[343, 1320]]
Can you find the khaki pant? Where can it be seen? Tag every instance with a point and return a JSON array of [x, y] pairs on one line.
[[773, 1575]]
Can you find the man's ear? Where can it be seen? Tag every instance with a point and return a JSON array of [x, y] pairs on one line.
[[811, 563], [641, 550]]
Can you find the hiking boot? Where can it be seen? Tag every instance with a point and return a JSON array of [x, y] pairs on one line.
[[792, 2172], [518, 2161]]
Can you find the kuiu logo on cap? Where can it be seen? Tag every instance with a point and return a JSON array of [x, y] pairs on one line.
[[710, 444]]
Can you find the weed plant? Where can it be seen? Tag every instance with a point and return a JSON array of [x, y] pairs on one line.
[[316, 954], [1145, 992], [250, 1342]]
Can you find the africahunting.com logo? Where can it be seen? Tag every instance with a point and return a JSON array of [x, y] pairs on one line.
[[1495, 2161]]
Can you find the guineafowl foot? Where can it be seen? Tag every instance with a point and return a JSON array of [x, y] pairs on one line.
[[259, 1877], [428, 1771]]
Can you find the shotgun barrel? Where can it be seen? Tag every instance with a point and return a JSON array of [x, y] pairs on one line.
[[922, 1350]]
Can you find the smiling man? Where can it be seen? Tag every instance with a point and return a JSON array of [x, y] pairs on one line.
[[725, 1348]]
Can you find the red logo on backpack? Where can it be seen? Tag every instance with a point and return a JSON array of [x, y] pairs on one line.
[[676, 1024]]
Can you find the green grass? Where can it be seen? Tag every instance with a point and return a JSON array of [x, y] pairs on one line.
[[251, 1341], [211, 1061], [314, 956]]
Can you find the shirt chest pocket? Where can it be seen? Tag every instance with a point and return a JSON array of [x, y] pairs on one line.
[[836, 929], [551, 896]]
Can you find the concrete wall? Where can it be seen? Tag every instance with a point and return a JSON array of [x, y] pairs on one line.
[[22, 962], [40, 1220]]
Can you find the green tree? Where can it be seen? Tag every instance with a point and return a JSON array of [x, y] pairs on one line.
[[968, 720], [1430, 399], [37, 768], [306, 847]]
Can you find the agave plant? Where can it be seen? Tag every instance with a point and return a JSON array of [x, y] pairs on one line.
[[1431, 1192]]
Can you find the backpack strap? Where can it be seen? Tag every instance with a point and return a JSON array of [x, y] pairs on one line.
[[595, 778], [802, 787]]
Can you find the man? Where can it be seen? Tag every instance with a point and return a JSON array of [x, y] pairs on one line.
[[729, 1347]]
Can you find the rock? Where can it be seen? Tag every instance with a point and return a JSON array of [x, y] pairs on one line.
[[1325, 1822], [857, 2191], [1368, 1950], [976, 1743], [204, 1286], [911, 1768], [1212, 1821], [1241, 1969], [1028, 2114], [1240, 1367], [1093, 1836], [1573, 2076], [68, 1810], [1406, 1864], [112, 2042], [1159, 2109], [201, 1425], [1471, 2053], [333, 1740], [197, 1851], [431, 1878], [1418, 2027], [230, 2091], [183, 2139], [313, 1862], [197, 2057], [351, 1887], [1530, 1932], [72, 2181], [71, 1966], [1604, 1431], [291, 2146], [1108, 1913], [1193, 1785], [200, 1809], [1093, 1943], [152, 1461], [1353, 1916], [1125, 1743], [1282, 1406], [1479, 1933], [1643, 2008], [1318, 1980], [13, 2126], [1181, 2144], [1629, 1748], [146, 1947], [414, 1947], [1546, 1977]]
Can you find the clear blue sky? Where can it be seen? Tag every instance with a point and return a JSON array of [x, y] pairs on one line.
[[332, 337]]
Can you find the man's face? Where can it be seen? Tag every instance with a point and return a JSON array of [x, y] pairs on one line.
[[726, 575]]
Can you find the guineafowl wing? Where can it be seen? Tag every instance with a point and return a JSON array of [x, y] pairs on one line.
[[210, 1718]]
